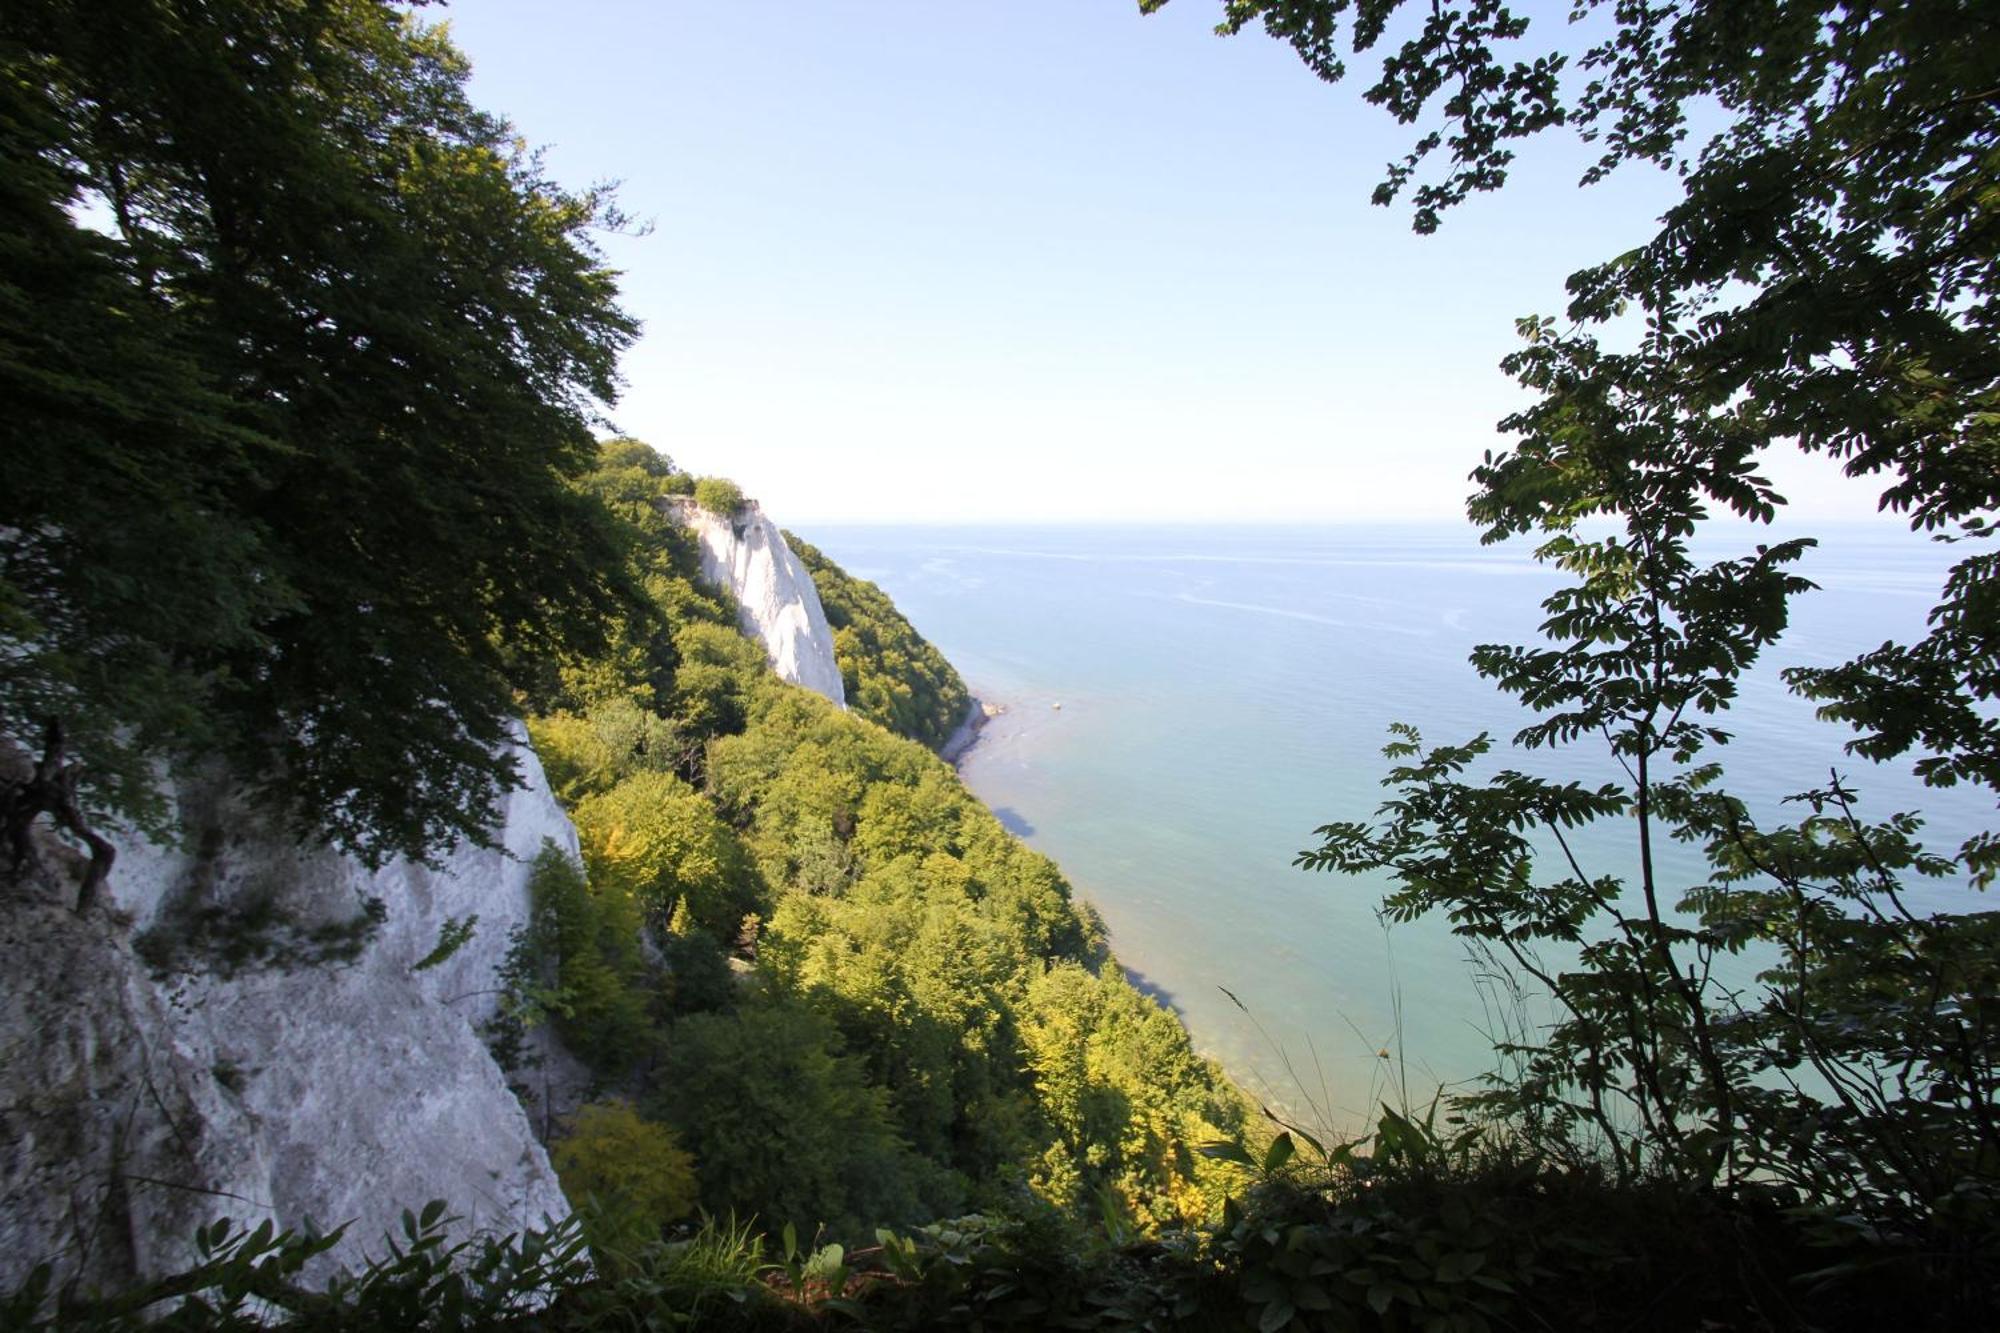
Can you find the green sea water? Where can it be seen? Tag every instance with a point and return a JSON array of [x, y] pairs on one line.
[[1185, 705]]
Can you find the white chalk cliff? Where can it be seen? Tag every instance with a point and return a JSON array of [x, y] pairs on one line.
[[745, 554], [159, 1068], [139, 1100]]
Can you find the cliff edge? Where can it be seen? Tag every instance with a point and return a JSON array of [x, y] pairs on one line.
[[777, 604]]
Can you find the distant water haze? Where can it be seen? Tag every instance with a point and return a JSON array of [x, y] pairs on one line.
[[1186, 704]]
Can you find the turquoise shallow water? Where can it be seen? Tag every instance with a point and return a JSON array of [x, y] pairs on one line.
[[1224, 691]]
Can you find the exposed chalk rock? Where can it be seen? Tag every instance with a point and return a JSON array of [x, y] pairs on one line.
[[966, 734], [143, 1091], [116, 1140], [777, 604]]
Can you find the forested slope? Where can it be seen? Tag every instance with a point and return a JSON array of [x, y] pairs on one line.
[[931, 1022], [892, 675], [304, 354]]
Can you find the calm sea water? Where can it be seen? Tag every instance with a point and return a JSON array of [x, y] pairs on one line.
[[1185, 705]]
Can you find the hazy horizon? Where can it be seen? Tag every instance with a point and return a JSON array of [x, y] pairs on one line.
[[1043, 262]]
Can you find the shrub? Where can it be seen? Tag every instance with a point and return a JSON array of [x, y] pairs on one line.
[[634, 1171], [625, 451], [718, 495], [579, 961]]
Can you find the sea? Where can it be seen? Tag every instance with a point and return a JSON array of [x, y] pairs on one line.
[[1183, 706]]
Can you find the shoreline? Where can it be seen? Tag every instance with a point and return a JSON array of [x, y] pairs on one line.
[[977, 714], [1241, 1073]]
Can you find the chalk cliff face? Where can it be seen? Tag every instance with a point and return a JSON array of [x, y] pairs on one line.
[[198, 1048], [776, 600], [148, 1083]]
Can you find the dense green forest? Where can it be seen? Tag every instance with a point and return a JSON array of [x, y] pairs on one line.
[[305, 359], [892, 676], [931, 1023]]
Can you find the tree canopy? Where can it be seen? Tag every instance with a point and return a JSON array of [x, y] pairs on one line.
[[718, 495], [301, 350], [1826, 279], [919, 1017]]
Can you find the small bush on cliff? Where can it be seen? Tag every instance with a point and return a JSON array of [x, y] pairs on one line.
[[718, 495], [582, 965]]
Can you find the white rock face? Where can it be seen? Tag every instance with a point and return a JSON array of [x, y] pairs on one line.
[[135, 1104], [777, 603]]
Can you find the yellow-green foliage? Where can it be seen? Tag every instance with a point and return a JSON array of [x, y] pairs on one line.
[[585, 948], [584, 754], [653, 840], [665, 559], [944, 945], [712, 682], [624, 454], [932, 1020], [718, 495], [1122, 1085], [634, 1169]]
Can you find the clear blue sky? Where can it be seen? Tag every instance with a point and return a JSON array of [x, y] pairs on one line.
[[1036, 260]]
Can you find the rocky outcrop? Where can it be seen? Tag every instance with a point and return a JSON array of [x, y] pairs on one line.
[[977, 714], [745, 554], [115, 1141], [211, 1043]]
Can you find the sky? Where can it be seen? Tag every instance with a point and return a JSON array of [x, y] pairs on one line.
[[1040, 260]]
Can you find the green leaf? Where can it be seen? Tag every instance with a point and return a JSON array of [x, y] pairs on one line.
[[1460, 1266], [1226, 1150], [1275, 1317], [1454, 1213]]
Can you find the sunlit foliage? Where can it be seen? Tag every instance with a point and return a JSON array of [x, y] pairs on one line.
[[718, 495], [630, 1175], [877, 1063]]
